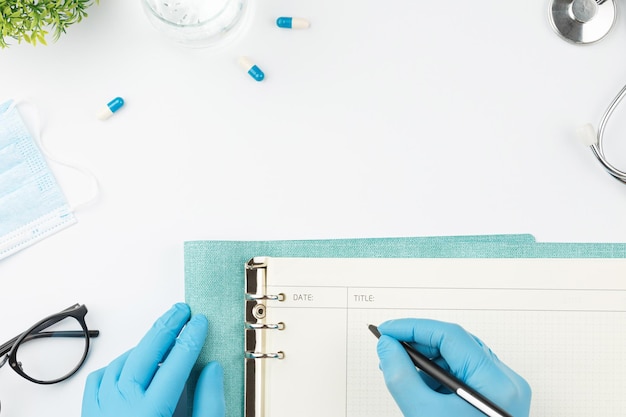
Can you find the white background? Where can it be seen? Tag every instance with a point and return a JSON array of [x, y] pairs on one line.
[[401, 118]]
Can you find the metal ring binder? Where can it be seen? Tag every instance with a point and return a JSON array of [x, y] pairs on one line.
[[255, 327], [261, 355], [277, 297], [269, 326]]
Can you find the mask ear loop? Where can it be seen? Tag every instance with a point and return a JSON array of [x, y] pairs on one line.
[[37, 133]]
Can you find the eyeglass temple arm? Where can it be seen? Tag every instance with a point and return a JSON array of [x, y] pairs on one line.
[[36, 332], [62, 333], [6, 347], [53, 320]]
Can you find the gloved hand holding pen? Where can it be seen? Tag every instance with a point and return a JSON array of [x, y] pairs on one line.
[[147, 381], [455, 350]]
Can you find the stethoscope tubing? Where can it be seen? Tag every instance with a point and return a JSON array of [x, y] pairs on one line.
[[597, 148]]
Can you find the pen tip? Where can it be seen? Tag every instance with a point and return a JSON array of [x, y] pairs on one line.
[[374, 330]]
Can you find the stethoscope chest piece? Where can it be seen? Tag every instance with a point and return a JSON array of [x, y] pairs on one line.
[[582, 21]]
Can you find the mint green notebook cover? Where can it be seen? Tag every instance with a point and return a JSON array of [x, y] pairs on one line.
[[214, 284]]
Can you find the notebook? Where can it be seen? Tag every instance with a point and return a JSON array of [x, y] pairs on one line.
[[214, 286], [558, 322]]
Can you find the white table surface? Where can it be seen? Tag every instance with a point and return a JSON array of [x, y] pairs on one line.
[[403, 118]]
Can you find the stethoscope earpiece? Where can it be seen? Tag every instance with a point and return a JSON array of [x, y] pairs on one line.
[[587, 135], [582, 21]]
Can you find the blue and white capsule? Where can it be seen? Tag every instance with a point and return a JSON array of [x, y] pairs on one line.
[[292, 23], [111, 107], [254, 71]]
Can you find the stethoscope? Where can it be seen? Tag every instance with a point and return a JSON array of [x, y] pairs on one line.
[[584, 22]]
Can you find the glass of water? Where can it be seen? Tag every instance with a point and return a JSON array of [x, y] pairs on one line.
[[196, 23]]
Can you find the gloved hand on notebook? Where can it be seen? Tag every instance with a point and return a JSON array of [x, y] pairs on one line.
[[455, 350], [147, 381]]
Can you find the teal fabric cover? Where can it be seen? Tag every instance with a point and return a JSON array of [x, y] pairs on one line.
[[214, 283]]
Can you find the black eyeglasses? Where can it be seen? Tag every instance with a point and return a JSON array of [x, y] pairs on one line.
[[53, 349]]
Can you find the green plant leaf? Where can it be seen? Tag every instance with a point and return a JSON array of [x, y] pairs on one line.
[[27, 19]]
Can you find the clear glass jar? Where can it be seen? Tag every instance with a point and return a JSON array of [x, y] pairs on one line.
[[196, 23]]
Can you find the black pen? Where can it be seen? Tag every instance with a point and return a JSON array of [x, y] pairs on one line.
[[449, 381]]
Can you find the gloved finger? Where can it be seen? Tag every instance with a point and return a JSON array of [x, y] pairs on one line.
[[432, 383], [487, 349], [458, 347], [503, 367], [401, 377], [402, 329], [145, 358], [111, 375], [429, 351], [439, 360], [92, 387], [208, 400], [170, 379]]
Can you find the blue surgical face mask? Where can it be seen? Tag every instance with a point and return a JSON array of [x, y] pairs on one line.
[[32, 205]]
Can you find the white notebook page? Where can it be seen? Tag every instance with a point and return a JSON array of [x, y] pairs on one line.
[[560, 323]]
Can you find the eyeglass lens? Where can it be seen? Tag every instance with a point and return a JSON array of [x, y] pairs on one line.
[[53, 352]]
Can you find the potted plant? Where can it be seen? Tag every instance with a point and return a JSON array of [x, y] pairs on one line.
[[32, 20]]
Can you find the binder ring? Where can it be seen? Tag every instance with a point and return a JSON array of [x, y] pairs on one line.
[[262, 355], [276, 297], [269, 326]]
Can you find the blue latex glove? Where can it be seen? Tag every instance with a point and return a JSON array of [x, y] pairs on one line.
[[455, 350], [135, 385]]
